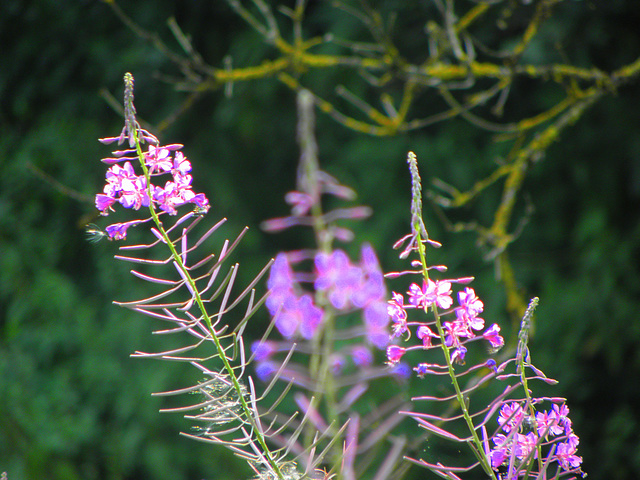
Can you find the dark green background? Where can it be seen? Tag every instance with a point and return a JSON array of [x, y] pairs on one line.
[[73, 405]]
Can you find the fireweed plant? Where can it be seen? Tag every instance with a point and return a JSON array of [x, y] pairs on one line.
[[332, 328], [196, 299], [331, 321], [515, 435]]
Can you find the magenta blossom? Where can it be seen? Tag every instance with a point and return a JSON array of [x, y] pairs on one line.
[[123, 186], [469, 303], [568, 460], [425, 334], [432, 293], [298, 315], [338, 277], [394, 354], [492, 335]]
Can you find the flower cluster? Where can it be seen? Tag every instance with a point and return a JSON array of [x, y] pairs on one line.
[[329, 316], [130, 190], [465, 326], [348, 288], [525, 434]]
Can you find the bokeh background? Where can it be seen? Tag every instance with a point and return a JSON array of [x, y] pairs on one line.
[[74, 405]]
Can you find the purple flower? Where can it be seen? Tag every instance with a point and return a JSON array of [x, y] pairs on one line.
[[298, 314], [134, 193], [500, 454], [263, 350], [525, 444], [104, 203], [130, 190], [177, 193], [561, 413], [300, 202], [280, 283], [438, 293], [311, 316], [454, 331], [376, 322], [547, 424], [375, 315], [372, 287], [118, 231], [492, 335], [416, 296], [470, 323], [264, 370], [422, 369], [458, 355], [158, 159], [395, 309], [361, 356], [378, 337], [511, 415], [287, 322], [394, 354], [471, 304], [425, 334], [565, 453], [337, 276], [401, 371], [181, 166]]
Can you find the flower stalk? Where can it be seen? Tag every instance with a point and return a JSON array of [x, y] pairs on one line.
[[122, 186], [528, 440]]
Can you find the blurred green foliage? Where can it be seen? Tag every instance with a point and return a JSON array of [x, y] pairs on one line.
[[73, 405]]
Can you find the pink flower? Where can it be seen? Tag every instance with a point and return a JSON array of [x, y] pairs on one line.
[[526, 444], [298, 315], [104, 203], [181, 166], [565, 453], [300, 202], [338, 277], [394, 354], [492, 335], [425, 334], [395, 309], [417, 297], [158, 159], [118, 231], [471, 304], [511, 415], [458, 355], [438, 293], [547, 424]]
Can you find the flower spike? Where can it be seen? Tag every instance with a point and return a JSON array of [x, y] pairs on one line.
[[158, 181], [529, 441]]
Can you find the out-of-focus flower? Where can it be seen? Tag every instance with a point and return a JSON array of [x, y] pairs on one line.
[[338, 277]]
